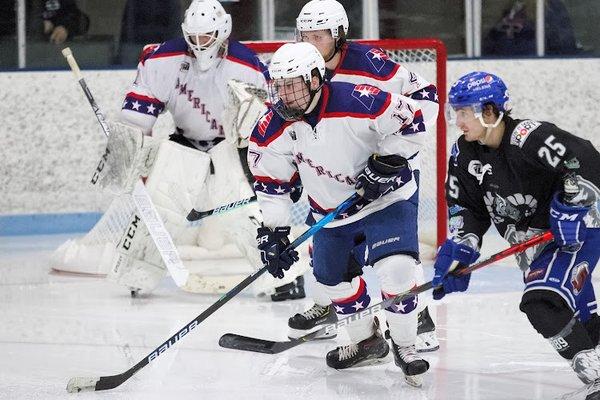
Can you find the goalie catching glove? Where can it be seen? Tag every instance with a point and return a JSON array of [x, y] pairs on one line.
[[128, 155], [383, 174], [274, 251], [245, 106]]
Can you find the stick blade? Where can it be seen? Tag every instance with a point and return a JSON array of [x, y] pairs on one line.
[[194, 215], [239, 342], [82, 384]]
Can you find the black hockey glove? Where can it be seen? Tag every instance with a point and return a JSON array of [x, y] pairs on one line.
[[274, 252], [382, 175]]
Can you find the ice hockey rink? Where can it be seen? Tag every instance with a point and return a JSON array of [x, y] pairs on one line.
[[54, 327]]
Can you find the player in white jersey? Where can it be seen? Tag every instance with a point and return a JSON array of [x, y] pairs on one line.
[[324, 24], [197, 167], [375, 135]]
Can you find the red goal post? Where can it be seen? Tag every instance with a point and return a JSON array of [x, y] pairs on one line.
[[418, 55]]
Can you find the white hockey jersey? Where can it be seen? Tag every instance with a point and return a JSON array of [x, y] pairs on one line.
[[360, 63], [168, 80], [330, 147]]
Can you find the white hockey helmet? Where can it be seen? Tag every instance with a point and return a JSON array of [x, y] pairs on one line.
[[291, 70], [206, 26], [323, 14]]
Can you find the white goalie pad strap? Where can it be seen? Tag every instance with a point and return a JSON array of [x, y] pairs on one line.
[[128, 155], [176, 180], [245, 106]]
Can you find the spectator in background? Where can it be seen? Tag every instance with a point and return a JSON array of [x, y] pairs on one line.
[[514, 34], [8, 19], [145, 22], [63, 20]]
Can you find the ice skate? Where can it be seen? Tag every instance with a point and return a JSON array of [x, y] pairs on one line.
[[312, 319]]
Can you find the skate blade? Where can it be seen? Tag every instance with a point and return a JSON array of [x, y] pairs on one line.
[[414, 380]]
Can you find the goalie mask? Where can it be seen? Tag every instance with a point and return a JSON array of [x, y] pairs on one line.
[[292, 89], [324, 15], [206, 27]]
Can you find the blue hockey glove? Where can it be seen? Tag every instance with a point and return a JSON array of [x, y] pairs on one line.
[[273, 249], [382, 175], [566, 224], [449, 252]]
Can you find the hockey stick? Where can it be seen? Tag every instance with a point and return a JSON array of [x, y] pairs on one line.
[[160, 236], [196, 215], [238, 342], [79, 384]]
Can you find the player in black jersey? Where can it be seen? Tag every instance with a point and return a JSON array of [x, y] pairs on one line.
[[525, 177]]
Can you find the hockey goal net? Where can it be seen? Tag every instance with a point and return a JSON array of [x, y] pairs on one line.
[[427, 57]]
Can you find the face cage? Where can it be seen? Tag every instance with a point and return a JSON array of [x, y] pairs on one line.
[[299, 98], [211, 42]]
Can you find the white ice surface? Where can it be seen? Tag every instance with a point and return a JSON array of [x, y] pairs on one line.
[[54, 327]]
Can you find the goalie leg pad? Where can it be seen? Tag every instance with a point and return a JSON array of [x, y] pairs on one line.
[[176, 180], [136, 263], [550, 315]]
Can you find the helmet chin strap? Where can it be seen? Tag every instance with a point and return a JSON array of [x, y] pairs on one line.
[[488, 127], [314, 99]]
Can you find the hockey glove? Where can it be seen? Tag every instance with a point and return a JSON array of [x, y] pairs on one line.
[[566, 224], [274, 252], [445, 282], [382, 175]]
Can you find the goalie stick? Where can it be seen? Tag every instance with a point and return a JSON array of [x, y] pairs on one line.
[[79, 384], [239, 342], [160, 236]]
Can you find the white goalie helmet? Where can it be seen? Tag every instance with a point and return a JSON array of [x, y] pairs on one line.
[[291, 72], [206, 26], [323, 14]]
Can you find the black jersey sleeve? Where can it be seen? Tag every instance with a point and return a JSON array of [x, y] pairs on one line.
[[467, 213], [557, 150]]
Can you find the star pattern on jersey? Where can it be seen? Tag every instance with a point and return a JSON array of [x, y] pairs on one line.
[[377, 58], [426, 93], [416, 126], [272, 187], [365, 94], [143, 104]]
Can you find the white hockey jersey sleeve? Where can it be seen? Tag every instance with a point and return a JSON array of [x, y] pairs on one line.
[[402, 128], [271, 162], [147, 97]]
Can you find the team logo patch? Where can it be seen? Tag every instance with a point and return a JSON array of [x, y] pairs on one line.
[[579, 275], [478, 170], [263, 123], [377, 58], [365, 94], [522, 131]]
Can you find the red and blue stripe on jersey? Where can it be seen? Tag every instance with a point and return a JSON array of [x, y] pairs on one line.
[[241, 54], [266, 184]]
